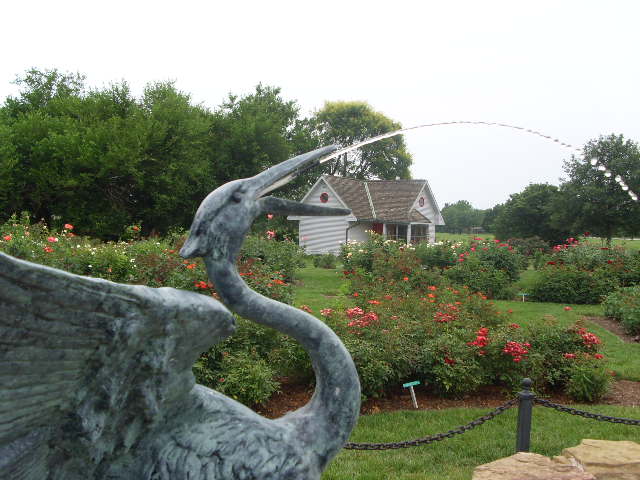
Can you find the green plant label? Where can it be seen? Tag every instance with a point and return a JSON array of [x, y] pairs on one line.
[[411, 384]]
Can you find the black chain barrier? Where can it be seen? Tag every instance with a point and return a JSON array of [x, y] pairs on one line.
[[582, 413], [438, 436]]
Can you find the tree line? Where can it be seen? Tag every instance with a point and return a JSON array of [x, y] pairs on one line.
[[103, 159], [585, 202]]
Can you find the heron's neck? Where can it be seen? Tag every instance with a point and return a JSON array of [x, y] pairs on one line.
[[336, 401]]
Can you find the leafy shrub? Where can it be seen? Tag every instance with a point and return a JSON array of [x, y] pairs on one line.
[[436, 255], [569, 284], [624, 306], [529, 246], [481, 276], [327, 260], [502, 257], [359, 255], [284, 257], [588, 382], [243, 376]]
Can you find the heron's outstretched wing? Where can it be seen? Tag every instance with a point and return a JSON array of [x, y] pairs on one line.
[[87, 365]]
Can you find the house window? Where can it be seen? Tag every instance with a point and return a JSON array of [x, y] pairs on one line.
[[396, 232], [421, 202], [324, 197], [419, 233]]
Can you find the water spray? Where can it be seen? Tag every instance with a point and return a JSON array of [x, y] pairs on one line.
[[578, 151]]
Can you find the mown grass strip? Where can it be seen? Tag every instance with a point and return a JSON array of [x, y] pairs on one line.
[[455, 458]]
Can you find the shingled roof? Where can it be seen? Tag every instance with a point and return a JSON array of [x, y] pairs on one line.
[[383, 200]]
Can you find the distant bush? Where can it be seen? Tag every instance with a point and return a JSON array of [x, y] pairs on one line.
[[529, 246], [481, 276], [284, 257], [624, 306], [327, 260], [436, 255], [569, 284]]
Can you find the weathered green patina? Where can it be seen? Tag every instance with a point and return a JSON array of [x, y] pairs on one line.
[[96, 378]]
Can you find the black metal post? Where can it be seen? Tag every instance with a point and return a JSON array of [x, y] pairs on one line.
[[525, 410]]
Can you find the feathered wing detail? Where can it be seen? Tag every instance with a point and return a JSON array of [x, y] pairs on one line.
[[91, 363]]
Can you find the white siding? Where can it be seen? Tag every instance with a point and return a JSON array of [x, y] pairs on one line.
[[322, 234], [358, 232], [429, 211]]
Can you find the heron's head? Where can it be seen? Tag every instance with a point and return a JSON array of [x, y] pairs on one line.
[[225, 215]]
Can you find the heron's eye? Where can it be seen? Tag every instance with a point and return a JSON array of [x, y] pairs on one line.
[[236, 196]]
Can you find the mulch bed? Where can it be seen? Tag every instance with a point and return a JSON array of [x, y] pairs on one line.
[[293, 396]]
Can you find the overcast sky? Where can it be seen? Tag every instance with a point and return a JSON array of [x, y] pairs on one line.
[[569, 69]]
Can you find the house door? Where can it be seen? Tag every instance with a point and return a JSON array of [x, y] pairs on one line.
[[377, 228]]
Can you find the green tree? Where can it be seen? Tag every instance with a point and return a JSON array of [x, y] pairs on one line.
[[459, 217], [253, 132], [175, 170], [589, 201], [528, 214], [41, 89], [100, 159], [490, 215], [346, 123]]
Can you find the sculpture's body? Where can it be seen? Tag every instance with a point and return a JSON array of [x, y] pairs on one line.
[[96, 377]]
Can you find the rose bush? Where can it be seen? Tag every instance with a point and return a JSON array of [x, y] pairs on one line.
[[584, 273], [624, 306], [247, 362], [453, 339]]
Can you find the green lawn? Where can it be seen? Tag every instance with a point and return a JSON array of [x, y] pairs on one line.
[[320, 288], [631, 244], [462, 237], [455, 458]]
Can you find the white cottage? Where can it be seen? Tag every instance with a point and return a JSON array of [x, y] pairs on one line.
[[397, 209]]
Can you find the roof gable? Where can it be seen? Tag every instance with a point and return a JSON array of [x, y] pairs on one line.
[[353, 194], [393, 199], [382, 200]]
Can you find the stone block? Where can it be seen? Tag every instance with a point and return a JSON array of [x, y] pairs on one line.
[[529, 466], [606, 459]]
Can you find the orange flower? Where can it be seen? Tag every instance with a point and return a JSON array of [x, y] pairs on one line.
[[48, 249], [7, 238], [68, 226], [191, 266]]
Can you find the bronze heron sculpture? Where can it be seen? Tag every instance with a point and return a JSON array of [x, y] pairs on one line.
[[96, 377]]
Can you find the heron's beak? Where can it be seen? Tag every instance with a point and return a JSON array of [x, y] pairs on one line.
[[283, 173]]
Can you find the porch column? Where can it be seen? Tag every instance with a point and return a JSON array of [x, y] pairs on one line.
[[409, 234], [432, 233], [384, 231]]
